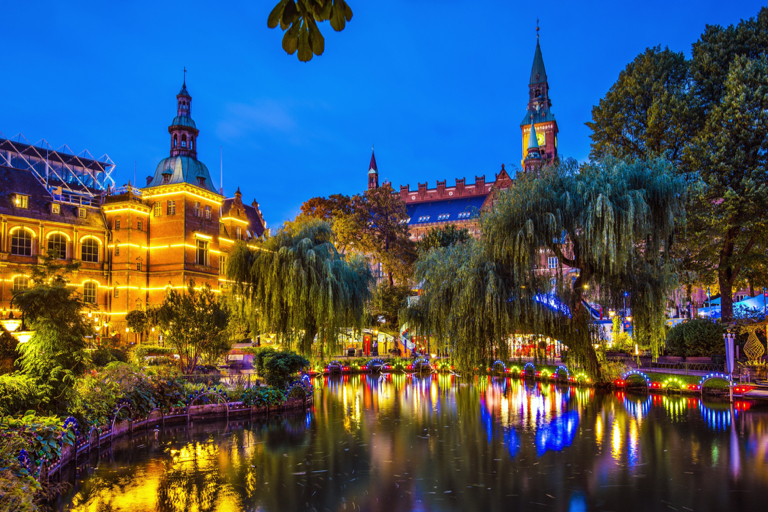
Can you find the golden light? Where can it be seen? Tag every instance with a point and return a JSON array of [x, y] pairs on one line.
[[11, 324], [23, 336], [629, 319]]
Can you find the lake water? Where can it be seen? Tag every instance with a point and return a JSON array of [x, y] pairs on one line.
[[443, 443]]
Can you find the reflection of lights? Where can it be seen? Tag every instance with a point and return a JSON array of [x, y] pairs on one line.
[[616, 440], [599, 430], [557, 434], [633, 448]]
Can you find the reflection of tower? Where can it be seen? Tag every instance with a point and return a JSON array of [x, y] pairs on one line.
[[539, 111]]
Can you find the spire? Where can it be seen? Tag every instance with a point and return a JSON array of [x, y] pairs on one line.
[[183, 91], [533, 140], [538, 73], [372, 168]]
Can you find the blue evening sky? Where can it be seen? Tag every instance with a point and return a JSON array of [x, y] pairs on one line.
[[440, 86]]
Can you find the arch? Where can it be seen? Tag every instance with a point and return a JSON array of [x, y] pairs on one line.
[[191, 142], [375, 365], [85, 237], [91, 442], [162, 417], [421, 364], [25, 228], [497, 363], [184, 140], [514, 370], [221, 395], [711, 376], [581, 377], [21, 241], [673, 384], [560, 371], [636, 374], [529, 369], [57, 243], [57, 232], [120, 407], [175, 140], [334, 367]]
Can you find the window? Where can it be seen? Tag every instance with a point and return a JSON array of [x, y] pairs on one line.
[[201, 253], [117, 249], [21, 242], [191, 143], [166, 178], [156, 208], [239, 233], [140, 225], [117, 224], [89, 292], [201, 181], [198, 213], [171, 209], [117, 290], [57, 244], [138, 266], [222, 264], [552, 262], [22, 201], [81, 213], [175, 140], [90, 250], [20, 283], [183, 141], [55, 208]]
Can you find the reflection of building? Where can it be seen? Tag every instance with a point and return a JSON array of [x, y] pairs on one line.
[[133, 243], [461, 203]]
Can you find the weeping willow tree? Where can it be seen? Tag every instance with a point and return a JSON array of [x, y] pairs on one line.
[[299, 286], [610, 224]]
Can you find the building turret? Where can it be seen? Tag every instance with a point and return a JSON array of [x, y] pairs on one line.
[[373, 173], [182, 129]]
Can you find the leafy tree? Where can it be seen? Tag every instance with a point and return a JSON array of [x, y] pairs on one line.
[[647, 112], [328, 208], [610, 223], [299, 286], [56, 353], [141, 321], [731, 155], [387, 301], [194, 323], [8, 352], [444, 236], [280, 367], [696, 337], [298, 18]]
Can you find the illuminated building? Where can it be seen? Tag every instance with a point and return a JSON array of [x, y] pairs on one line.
[[132, 243]]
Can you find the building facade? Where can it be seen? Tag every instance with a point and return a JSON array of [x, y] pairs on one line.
[[133, 243]]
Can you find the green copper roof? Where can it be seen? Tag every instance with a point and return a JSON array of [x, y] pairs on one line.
[[183, 91], [183, 121], [538, 73], [183, 169], [533, 141]]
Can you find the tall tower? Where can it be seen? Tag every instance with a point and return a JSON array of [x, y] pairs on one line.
[[539, 113], [183, 130], [373, 173]]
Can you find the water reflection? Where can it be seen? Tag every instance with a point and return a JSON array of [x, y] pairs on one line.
[[402, 442]]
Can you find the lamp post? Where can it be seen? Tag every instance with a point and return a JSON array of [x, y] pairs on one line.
[[765, 317], [729, 338]]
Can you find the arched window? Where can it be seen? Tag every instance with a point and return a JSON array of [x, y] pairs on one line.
[[20, 283], [175, 140], [191, 143], [117, 290], [89, 292], [21, 242], [90, 250], [183, 141], [57, 244]]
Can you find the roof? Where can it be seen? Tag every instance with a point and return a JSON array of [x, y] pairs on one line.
[[538, 73], [183, 169], [434, 211], [18, 181], [542, 116], [255, 221], [533, 141], [55, 156], [183, 91], [373, 167], [183, 121]]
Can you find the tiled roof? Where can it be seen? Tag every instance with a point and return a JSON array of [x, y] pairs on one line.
[[183, 169], [18, 181], [445, 210], [255, 224], [538, 73]]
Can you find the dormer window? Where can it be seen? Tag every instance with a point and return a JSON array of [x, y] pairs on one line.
[[166, 179], [22, 201], [55, 208], [201, 181], [81, 213]]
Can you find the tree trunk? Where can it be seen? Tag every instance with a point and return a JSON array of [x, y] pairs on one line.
[[726, 295], [306, 342]]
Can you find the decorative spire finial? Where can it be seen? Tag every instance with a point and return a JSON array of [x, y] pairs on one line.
[[537, 30], [185, 67]]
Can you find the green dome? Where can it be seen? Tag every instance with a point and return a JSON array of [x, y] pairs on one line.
[[183, 169], [183, 121]]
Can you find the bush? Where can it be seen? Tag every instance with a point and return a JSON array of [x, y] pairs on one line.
[[280, 366], [102, 356], [18, 394], [142, 351], [8, 353], [260, 397], [695, 338]]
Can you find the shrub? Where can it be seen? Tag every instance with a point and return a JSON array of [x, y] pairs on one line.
[[261, 396], [18, 393], [695, 338], [102, 356], [8, 353], [142, 351], [280, 366]]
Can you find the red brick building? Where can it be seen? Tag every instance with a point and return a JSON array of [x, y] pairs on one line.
[[133, 244]]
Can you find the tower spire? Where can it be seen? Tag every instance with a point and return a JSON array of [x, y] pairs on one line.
[[373, 172]]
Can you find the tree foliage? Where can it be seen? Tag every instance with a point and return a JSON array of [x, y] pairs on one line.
[[386, 304], [610, 224], [56, 353], [443, 236], [300, 286], [696, 337], [708, 116], [194, 322], [299, 18]]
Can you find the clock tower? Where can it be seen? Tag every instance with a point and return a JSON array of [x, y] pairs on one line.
[[539, 112]]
